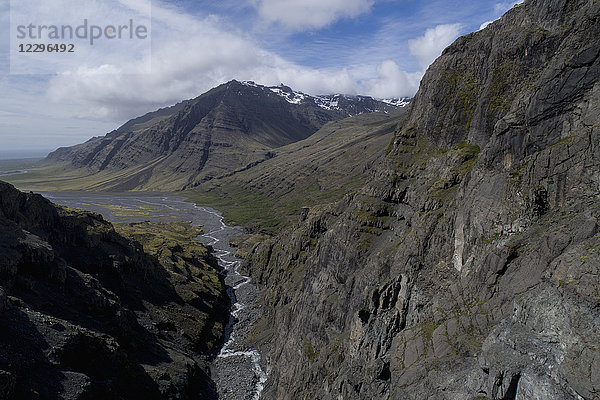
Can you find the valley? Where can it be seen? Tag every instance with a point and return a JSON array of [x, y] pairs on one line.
[[444, 248], [318, 168]]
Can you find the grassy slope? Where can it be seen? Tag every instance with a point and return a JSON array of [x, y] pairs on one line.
[[320, 169], [60, 177]]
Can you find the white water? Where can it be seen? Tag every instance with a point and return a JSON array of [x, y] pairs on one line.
[[232, 268]]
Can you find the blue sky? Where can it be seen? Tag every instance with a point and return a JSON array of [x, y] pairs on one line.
[[373, 47]]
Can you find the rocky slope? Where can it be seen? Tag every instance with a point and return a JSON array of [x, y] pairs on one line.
[[88, 314], [468, 266], [233, 126]]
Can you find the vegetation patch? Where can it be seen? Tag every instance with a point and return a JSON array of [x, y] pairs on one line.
[[500, 95], [241, 206], [176, 247], [267, 213], [462, 89], [309, 351]]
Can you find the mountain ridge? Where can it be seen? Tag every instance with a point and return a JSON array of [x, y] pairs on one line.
[[230, 127]]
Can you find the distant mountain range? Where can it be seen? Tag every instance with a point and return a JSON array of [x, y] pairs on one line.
[[229, 128]]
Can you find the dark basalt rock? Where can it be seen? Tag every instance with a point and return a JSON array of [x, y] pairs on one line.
[[82, 311], [468, 266]]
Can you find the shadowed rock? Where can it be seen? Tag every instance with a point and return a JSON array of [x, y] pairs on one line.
[[87, 314]]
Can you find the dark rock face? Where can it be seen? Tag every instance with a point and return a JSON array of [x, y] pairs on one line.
[[468, 266], [232, 126], [86, 314]]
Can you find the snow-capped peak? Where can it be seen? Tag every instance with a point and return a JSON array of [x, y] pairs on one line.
[[289, 95], [398, 102], [330, 102], [250, 83]]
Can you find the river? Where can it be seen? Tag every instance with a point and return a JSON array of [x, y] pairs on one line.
[[13, 172], [237, 370]]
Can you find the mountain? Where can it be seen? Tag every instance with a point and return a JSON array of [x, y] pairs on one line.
[[466, 266], [452, 252], [87, 313], [231, 127]]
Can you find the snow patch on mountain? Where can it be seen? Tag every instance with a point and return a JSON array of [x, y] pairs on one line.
[[289, 95], [398, 102], [327, 102], [249, 83]]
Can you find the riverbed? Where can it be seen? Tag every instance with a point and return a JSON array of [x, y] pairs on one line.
[[10, 172], [237, 370]]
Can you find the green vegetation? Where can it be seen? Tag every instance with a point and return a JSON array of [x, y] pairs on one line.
[[426, 330], [462, 89], [517, 175], [176, 248], [564, 141], [468, 154], [500, 95], [261, 212], [493, 238], [463, 156], [309, 351], [129, 211], [245, 243], [191, 271], [241, 206], [318, 170], [413, 150]]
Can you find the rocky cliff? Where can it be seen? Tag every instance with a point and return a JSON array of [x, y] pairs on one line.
[[468, 266], [87, 314]]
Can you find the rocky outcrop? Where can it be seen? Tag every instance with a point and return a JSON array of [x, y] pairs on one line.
[[467, 267], [87, 314]]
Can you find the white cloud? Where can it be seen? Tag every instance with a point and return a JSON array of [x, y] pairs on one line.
[[31, 122], [393, 82], [429, 46], [191, 56], [92, 17], [501, 8], [185, 63], [310, 14]]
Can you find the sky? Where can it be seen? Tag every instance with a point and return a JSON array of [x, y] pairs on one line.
[[379, 48]]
